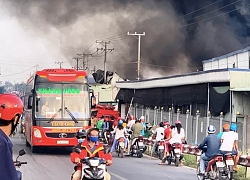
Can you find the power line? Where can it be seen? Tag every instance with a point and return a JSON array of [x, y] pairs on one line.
[[19, 72], [215, 16], [201, 8], [214, 10]]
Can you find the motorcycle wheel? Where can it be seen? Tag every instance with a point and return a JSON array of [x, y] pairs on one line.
[[177, 161], [230, 173], [121, 152], [139, 154], [161, 154], [199, 177]]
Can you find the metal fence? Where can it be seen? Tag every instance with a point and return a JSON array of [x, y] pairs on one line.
[[195, 132]]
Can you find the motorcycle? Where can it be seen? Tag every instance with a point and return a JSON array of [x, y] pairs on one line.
[[20, 163], [137, 147], [120, 146], [217, 168], [92, 168], [229, 163], [159, 149], [175, 154]]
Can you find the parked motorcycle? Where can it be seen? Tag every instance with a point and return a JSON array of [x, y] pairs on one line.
[[120, 146], [17, 162], [217, 168], [175, 154], [92, 168]]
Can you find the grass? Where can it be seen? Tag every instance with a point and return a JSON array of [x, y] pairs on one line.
[[190, 161]]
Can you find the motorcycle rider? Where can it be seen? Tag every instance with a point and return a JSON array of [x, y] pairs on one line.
[[91, 147], [159, 132], [226, 128], [178, 134], [11, 109], [229, 143], [80, 135], [119, 131], [212, 142], [137, 130], [168, 136]]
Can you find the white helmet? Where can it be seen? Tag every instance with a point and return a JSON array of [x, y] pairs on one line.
[[142, 117]]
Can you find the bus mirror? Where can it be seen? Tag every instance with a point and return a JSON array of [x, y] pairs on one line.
[[30, 100], [93, 101]]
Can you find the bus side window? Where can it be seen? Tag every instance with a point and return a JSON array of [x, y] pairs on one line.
[[37, 101], [30, 100]]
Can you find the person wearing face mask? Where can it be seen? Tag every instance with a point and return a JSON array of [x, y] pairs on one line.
[[91, 147], [81, 136]]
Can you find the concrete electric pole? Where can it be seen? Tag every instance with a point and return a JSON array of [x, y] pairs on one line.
[[139, 51], [85, 63], [104, 43], [60, 64], [77, 62]]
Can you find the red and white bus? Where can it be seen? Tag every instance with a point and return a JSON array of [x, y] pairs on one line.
[[57, 104]]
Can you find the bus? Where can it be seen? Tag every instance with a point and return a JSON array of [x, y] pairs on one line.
[[57, 104]]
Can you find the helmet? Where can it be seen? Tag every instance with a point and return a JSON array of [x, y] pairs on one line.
[[90, 130], [10, 106], [177, 122], [81, 133], [119, 118], [131, 117], [211, 129], [142, 117], [233, 127], [166, 123], [226, 126], [120, 122]]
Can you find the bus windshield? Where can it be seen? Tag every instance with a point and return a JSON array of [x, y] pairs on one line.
[[60, 100]]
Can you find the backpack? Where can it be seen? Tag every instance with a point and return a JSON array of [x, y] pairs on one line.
[[99, 124]]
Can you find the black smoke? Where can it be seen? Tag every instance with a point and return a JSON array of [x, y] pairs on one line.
[[174, 42]]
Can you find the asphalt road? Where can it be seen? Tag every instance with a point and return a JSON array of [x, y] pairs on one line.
[[55, 164]]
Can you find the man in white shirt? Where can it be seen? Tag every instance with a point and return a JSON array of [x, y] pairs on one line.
[[229, 143], [159, 132], [131, 122]]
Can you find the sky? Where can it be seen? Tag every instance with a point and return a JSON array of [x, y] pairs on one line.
[[36, 34]]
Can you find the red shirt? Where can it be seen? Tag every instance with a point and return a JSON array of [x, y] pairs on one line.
[[168, 133], [86, 152]]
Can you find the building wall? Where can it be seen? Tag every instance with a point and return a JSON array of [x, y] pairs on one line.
[[241, 104], [240, 60]]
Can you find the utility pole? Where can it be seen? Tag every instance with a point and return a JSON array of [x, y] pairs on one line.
[[139, 52], [85, 63], [77, 62], [60, 64], [104, 43]]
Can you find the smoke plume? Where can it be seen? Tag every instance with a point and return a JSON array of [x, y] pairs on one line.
[[175, 43]]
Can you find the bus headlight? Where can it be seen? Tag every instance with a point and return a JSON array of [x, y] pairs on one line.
[[37, 133]]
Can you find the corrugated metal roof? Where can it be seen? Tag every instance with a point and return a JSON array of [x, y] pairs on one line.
[[218, 75], [227, 55], [178, 80]]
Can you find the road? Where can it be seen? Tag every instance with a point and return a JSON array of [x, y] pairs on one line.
[[55, 164]]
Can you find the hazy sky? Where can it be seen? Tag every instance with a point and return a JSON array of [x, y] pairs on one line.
[[21, 50]]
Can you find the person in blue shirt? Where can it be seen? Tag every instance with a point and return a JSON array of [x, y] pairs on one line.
[[212, 142], [142, 119], [226, 128], [11, 109]]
